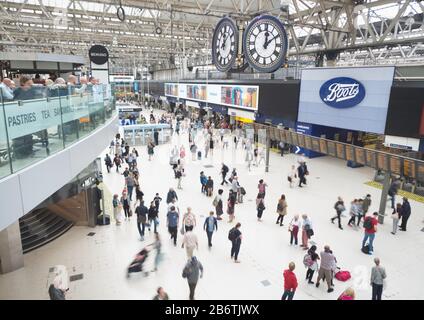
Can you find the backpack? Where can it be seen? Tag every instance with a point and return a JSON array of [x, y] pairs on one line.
[[225, 169], [242, 191], [366, 249], [343, 275], [232, 234], [367, 223], [307, 260], [215, 202]]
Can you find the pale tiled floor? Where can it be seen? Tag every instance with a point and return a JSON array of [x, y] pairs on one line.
[[265, 250]]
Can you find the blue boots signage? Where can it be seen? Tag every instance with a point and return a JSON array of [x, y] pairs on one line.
[[342, 92]]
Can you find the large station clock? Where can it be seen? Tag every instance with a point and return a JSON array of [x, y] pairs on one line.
[[265, 43], [225, 44]]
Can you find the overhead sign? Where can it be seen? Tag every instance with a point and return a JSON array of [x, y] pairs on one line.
[[342, 92], [98, 54], [354, 98], [239, 96]]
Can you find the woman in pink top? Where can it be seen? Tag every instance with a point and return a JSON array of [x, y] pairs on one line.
[[261, 187]]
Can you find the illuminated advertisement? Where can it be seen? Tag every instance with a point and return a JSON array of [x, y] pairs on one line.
[[239, 96]]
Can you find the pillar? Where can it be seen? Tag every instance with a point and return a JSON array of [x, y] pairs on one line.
[[383, 200], [11, 255]]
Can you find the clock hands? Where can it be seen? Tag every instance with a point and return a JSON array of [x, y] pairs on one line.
[[266, 39], [269, 41]]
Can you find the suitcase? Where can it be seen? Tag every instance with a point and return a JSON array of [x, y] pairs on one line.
[[100, 220], [199, 155], [366, 249]]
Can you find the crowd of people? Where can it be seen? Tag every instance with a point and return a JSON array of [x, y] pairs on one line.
[[322, 263]]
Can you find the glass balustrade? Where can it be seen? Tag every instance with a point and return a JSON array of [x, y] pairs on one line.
[[40, 121]]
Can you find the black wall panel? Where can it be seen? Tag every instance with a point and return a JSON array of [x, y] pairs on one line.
[[405, 108]]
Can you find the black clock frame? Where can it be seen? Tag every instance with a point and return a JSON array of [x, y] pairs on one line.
[[232, 24], [284, 44]]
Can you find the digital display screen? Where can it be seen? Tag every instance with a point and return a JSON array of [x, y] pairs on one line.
[[383, 161], [341, 152], [331, 146], [370, 157], [420, 172], [323, 146], [308, 142], [350, 154], [395, 165], [409, 168], [360, 155]]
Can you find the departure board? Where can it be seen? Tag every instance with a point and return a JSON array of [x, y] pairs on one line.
[[271, 133], [323, 146], [288, 137], [277, 134], [294, 138], [360, 156], [308, 142], [315, 144], [370, 157], [341, 152], [383, 161], [395, 164], [301, 140], [331, 148], [409, 168], [420, 171], [282, 134], [350, 154]]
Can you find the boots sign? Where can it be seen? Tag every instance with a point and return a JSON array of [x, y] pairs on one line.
[[98, 54], [342, 92]]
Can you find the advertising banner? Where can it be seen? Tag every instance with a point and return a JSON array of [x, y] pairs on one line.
[[348, 98], [239, 96]]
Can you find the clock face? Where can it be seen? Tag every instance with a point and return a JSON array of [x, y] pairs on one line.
[[225, 44], [265, 44]]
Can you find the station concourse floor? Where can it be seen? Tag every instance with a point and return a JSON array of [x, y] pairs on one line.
[[265, 250]]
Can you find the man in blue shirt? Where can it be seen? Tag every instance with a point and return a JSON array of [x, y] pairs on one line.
[[172, 222], [209, 225]]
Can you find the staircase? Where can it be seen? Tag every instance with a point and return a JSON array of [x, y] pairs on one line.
[[41, 226]]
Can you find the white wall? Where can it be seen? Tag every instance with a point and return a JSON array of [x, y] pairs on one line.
[[24, 190]]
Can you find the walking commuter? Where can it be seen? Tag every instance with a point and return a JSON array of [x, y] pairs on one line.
[[150, 149], [406, 213], [117, 209], [260, 207], [209, 187], [192, 271], [153, 216], [294, 227], [307, 231], [311, 262], [292, 176], [193, 149], [235, 237], [189, 220], [108, 163], [142, 213], [130, 185], [370, 228], [224, 172], [290, 282], [326, 269], [353, 212], [302, 172], [179, 176], [203, 181], [209, 226], [172, 223], [231, 205], [139, 194], [393, 190], [366, 204], [262, 188], [172, 195], [218, 204], [397, 213], [281, 210], [190, 243], [157, 199], [126, 205], [378, 276], [339, 207], [117, 162], [157, 245]]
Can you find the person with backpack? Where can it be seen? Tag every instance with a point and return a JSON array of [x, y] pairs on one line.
[[311, 262], [172, 195], [370, 228], [203, 181], [406, 213], [209, 226], [224, 172], [282, 210], [290, 282], [326, 269], [192, 271], [378, 275], [235, 237], [218, 204], [339, 207], [294, 229], [189, 220], [260, 207]]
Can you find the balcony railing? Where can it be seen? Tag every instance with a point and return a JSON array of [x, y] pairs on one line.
[[38, 121]]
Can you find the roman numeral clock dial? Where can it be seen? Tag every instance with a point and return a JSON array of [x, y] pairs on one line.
[[225, 44], [265, 43]]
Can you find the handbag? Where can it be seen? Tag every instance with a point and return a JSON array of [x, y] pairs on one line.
[[182, 230], [291, 227]]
